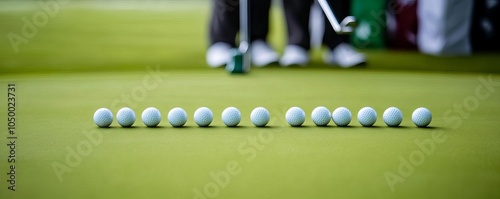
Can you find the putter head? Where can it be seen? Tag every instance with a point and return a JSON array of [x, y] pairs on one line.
[[348, 25], [237, 63]]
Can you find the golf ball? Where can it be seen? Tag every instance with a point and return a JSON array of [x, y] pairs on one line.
[[295, 116], [151, 117], [103, 117], [177, 117], [367, 116], [231, 116], [421, 117], [341, 116], [392, 117], [260, 116], [203, 116], [125, 117], [321, 116]]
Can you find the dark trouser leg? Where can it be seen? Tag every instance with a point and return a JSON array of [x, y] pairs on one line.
[[342, 9], [259, 19], [224, 21], [297, 20]]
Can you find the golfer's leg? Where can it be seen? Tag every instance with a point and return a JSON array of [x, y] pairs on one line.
[[224, 21], [259, 19], [297, 20], [262, 52], [340, 53], [342, 9], [224, 24]]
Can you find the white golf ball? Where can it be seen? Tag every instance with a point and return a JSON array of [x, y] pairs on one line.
[[231, 116], [151, 117], [295, 116], [125, 117], [321, 116], [392, 117], [177, 117], [421, 117], [367, 116], [341, 116], [203, 116], [103, 117], [260, 116]]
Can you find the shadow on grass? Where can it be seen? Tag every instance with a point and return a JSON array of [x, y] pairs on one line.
[[270, 127], [267, 127], [432, 128], [371, 127], [301, 126], [398, 127], [236, 127]]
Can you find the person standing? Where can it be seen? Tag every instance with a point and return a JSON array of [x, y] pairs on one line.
[[339, 52], [224, 26]]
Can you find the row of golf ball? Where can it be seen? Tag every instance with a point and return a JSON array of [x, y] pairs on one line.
[[260, 116]]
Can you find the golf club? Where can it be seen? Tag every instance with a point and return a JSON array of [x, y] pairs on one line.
[[240, 60], [345, 27]]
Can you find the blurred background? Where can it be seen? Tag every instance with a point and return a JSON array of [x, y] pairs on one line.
[[87, 35]]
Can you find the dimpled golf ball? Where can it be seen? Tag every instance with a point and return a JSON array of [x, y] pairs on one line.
[[421, 117], [260, 116], [321, 116], [203, 116], [295, 116], [103, 117], [341, 116], [231, 116], [151, 117], [392, 117], [367, 116], [177, 117], [125, 117]]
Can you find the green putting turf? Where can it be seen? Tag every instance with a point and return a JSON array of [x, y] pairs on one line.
[[87, 57]]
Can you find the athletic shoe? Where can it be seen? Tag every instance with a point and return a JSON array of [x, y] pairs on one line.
[[263, 54], [218, 54], [344, 56], [294, 55]]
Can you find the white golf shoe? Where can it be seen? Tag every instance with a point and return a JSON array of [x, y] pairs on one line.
[[263, 54], [345, 56], [294, 55], [218, 54]]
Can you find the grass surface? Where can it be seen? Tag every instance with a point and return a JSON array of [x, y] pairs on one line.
[[87, 58]]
